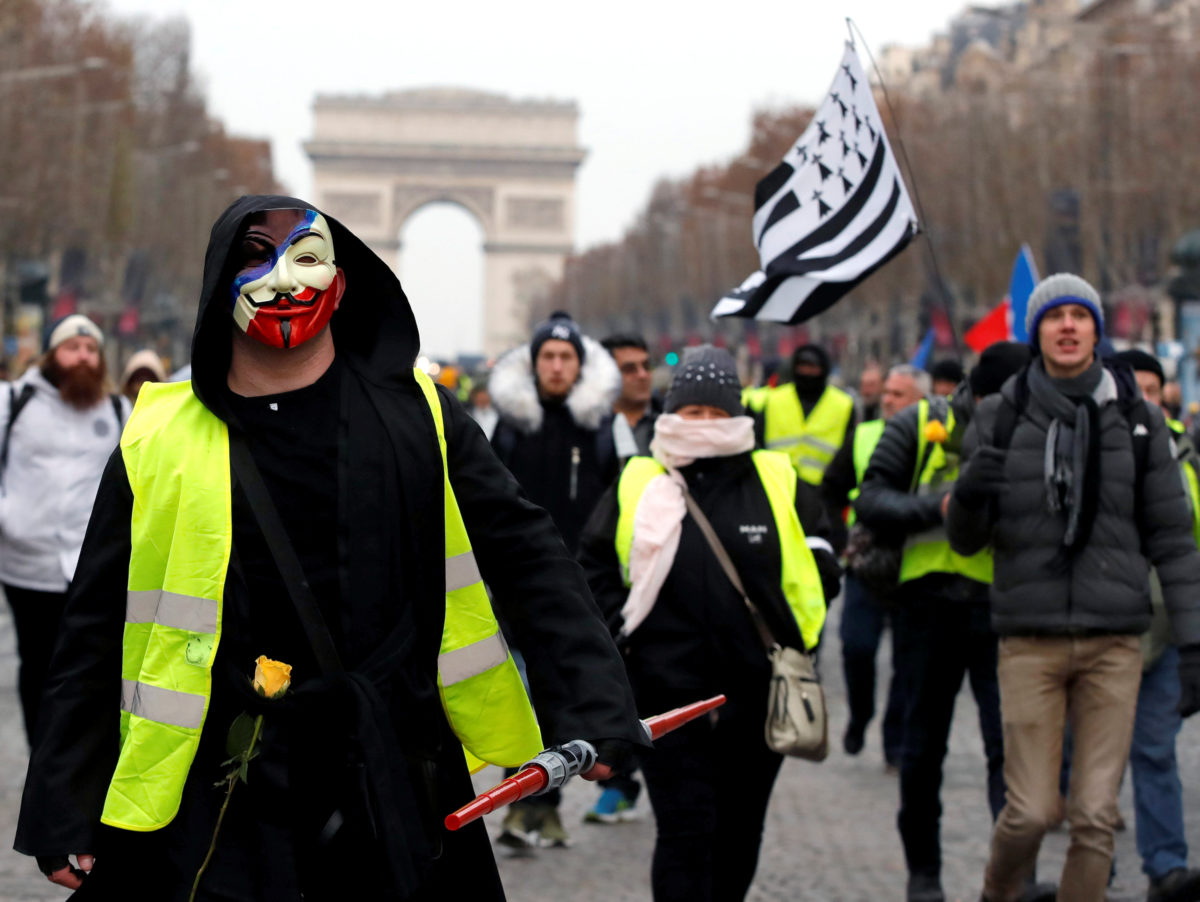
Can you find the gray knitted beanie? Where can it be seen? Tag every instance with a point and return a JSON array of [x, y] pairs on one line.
[[708, 376], [1056, 290]]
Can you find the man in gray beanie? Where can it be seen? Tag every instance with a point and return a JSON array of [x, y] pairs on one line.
[[1069, 476]]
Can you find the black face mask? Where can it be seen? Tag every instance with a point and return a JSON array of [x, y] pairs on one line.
[[809, 386]]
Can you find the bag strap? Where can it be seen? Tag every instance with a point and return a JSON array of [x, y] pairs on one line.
[[710, 535], [283, 553], [115, 400], [16, 403]]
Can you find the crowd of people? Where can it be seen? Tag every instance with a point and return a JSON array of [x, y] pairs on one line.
[[572, 551]]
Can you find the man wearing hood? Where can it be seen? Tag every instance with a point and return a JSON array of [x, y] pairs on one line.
[[312, 498], [807, 417], [59, 429], [552, 395], [1069, 476]]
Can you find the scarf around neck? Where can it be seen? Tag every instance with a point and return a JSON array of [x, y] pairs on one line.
[[658, 520], [1071, 459]]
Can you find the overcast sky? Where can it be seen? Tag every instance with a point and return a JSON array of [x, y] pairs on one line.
[[662, 87]]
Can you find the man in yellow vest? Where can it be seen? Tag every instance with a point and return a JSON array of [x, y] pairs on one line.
[[942, 624], [1157, 790], [863, 615], [311, 498], [806, 417]]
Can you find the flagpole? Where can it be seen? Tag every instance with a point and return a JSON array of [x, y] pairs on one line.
[[852, 27]]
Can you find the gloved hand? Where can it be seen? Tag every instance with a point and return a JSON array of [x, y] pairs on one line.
[[982, 478], [1189, 680]]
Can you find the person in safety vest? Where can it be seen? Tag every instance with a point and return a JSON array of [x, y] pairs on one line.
[[1069, 476], [863, 615], [806, 418], [1157, 790], [686, 630], [309, 496], [941, 623]]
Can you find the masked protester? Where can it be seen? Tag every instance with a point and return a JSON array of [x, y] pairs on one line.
[[686, 630], [59, 430], [311, 497], [1070, 477], [806, 417]]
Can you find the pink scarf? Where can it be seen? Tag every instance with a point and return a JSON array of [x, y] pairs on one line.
[[658, 520]]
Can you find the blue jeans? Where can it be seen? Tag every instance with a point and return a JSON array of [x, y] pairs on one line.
[[863, 621], [1157, 792]]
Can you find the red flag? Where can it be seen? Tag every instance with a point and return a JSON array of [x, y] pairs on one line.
[[989, 330]]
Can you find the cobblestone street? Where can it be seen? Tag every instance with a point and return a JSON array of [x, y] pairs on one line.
[[830, 832]]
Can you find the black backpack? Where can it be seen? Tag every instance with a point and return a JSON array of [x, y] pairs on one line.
[[1134, 410], [17, 402]]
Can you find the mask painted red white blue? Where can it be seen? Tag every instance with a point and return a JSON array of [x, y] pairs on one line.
[[287, 284]]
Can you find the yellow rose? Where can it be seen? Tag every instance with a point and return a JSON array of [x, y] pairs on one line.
[[935, 432], [271, 678]]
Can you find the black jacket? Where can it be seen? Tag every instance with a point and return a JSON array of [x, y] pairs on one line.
[[374, 739], [839, 481], [699, 640], [1104, 587], [556, 449]]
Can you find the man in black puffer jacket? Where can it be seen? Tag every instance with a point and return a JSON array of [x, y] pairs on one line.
[[1071, 479], [940, 614]]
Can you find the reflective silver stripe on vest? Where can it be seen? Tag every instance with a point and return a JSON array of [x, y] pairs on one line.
[[784, 442], [812, 462], [818, 444], [472, 660], [926, 537], [461, 571], [184, 612], [180, 709]]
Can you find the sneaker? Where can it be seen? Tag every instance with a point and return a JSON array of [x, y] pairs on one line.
[[551, 832], [924, 888], [852, 739], [612, 807], [517, 831], [1179, 885]]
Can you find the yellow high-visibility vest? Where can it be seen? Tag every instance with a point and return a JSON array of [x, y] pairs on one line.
[[929, 551], [176, 454], [866, 437], [812, 441], [801, 581]]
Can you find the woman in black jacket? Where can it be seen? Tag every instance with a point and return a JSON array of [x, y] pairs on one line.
[[686, 631]]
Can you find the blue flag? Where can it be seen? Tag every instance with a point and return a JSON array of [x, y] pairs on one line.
[[921, 358], [1020, 287]]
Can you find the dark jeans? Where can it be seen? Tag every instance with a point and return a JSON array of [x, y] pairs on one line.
[[863, 621], [939, 640], [36, 619], [709, 787], [1157, 792]]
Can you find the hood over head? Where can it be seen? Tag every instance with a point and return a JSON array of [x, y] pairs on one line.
[[810, 354], [373, 328]]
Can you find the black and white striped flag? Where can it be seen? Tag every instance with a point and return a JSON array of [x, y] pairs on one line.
[[833, 212]]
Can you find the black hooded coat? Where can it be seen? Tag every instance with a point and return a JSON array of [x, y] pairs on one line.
[[372, 743]]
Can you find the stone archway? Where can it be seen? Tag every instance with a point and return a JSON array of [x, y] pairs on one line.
[[510, 163]]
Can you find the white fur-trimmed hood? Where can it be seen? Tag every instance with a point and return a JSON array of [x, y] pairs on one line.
[[514, 390]]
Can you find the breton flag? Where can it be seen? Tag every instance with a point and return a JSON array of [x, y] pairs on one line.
[[833, 212]]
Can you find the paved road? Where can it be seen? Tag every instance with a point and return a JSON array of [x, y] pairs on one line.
[[830, 834]]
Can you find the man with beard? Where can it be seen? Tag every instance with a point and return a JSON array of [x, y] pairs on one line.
[[806, 417], [60, 429], [310, 497]]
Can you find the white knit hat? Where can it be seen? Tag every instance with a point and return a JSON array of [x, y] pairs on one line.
[[71, 326]]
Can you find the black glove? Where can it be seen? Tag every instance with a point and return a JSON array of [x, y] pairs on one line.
[[1189, 680], [48, 864], [616, 753], [982, 477]]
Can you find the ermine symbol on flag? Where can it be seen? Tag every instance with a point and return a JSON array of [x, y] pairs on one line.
[[817, 236]]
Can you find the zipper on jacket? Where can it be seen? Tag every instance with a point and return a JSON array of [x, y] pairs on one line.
[[574, 473]]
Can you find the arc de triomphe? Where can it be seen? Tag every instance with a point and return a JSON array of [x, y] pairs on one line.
[[510, 163]]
